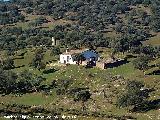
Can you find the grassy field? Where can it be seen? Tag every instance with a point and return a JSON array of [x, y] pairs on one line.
[[94, 78]]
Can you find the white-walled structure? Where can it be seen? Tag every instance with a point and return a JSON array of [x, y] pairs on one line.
[[67, 57], [53, 41]]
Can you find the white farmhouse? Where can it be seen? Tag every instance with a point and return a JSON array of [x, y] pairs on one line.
[[67, 57]]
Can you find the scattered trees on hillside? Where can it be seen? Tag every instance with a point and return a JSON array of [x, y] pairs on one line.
[[39, 41], [150, 51], [82, 96], [55, 51], [134, 95], [23, 82], [64, 87], [27, 81], [7, 64], [69, 35], [9, 14], [61, 86], [95, 15], [38, 21], [155, 16], [7, 81], [94, 18], [37, 61], [141, 63]]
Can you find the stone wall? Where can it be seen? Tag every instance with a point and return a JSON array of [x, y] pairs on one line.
[[84, 63], [100, 65]]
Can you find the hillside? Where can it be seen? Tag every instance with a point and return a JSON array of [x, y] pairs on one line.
[[32, 82]]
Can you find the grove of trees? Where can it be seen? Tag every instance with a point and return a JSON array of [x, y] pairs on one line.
[[93, 19], [134, 95]]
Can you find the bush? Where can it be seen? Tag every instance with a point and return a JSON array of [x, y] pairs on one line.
[[133, 96]]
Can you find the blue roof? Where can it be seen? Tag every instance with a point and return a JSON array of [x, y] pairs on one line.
[[90, 54], [5, 0]]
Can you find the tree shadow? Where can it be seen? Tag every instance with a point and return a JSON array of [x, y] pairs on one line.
[[44, 88], [116, 64], [152, 66], [147, 106], [22, 54], [156, 72], [19, 66], [42, 27], [16, 58], [131, 56], [149, 36], [49, 71]]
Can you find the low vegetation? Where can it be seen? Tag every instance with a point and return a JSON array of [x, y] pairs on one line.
[[33, 83]]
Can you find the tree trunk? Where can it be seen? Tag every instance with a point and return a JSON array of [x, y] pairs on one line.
[[104, 94], [83, 106]]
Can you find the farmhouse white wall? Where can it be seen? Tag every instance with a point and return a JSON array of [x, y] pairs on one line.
[[67, 59]]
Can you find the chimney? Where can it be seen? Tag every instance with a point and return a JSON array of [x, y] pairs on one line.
[[67, 50], [53, 41]]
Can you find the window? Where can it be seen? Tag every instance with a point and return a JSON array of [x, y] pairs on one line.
[[68, 58]]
